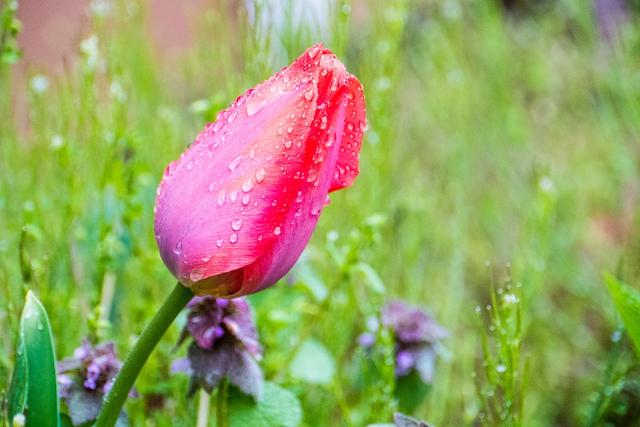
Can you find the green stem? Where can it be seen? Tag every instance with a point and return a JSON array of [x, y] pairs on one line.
[[114, 401], [221, 406]]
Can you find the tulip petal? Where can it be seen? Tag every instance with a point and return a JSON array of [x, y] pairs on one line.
[[235, 211]]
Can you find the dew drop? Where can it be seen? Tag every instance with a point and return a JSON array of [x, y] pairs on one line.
[[236, 224], [255, 106], [233, 195], [233, 238], [232, 117], [290, 130], [350, 126], [178, 249], [260, 175], [247, 185], [308, 95], [316, 208], [219, 242], [246, 199], [364, 125], [323, 123], [206, 258], [196, 276], [313, 52], [329, 142], [235, 162], [288, 144], [312, 176], [277, 231], [221, 196]]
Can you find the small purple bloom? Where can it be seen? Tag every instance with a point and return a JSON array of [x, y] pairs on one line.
[[367, 340], [416, 336], [404, 362], [611, 17], [225, 345], [85, 378]]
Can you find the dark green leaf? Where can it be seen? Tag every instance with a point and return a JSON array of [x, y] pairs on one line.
[[42, 391], [277, 408], [18, 388]]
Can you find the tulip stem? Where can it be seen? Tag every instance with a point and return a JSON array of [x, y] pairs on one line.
[[115, 399]]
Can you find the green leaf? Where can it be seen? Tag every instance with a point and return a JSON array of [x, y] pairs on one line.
[[372, 278], [627, 302], [313, 363], [18, 388], [42, 389], [277, 408]]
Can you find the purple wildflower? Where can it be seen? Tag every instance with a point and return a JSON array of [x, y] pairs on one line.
[[85, 378], [611, 17], [225, 345], [416, 337]]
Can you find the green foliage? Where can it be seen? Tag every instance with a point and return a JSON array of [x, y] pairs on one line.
[[501, 379], [313, 363], [278, 408], [34, 390], [9, 29], [627, 303]]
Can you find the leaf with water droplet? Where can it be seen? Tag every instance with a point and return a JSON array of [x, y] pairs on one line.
[[627, 302], [36, 348]]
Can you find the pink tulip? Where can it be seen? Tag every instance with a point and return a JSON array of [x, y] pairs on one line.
[[235, 211]]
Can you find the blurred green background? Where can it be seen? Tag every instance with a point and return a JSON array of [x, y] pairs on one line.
[[502, 153]]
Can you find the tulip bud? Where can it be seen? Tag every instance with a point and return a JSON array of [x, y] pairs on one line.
[[235, 211]]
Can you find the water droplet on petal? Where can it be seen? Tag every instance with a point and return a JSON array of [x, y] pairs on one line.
[[277, 231], [288, 144], [233, 195], [246, 199], [247, 185], [196, 276], [233, 238], [206, 258], [219, 242], [232, 117], [221, 196], [313, 52], [350, 126], [237, 224], [308, 95], [235, 162], [329, 142], [312, 176], [260, 175], [290, 129], [254, 106], [178, 249]]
